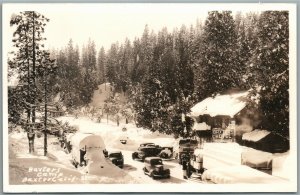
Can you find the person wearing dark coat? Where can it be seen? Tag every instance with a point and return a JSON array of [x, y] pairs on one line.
[[184, 167], [82, 154], [30, 136]]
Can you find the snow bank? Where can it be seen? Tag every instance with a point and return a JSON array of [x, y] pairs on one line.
[[282, 164], [239, 174], [256, 158], [220, 154], [220, 105], [111, 174]]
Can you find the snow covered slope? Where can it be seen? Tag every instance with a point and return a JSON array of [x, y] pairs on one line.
[[102, 93]]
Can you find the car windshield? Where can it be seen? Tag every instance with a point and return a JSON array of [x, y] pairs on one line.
[[188, 141], [156, 162], [115, 155], [148, 149], [147, 144]]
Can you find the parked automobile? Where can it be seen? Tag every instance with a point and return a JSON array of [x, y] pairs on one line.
[[154, 168], [186, 147], [146, 150], [148, 144], [116, 158], [166, 152]]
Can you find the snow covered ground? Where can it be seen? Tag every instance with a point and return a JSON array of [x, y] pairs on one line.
[[30, 166], [112, 134], [56, 167], [58, 159]]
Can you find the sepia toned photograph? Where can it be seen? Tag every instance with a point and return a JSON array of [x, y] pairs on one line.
[[181, 97]]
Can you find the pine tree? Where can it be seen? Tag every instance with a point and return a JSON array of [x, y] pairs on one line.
[[28, 42], [68, 77], [112, 64], [271, 70], [216, 63], [89, 74], [101, 63]]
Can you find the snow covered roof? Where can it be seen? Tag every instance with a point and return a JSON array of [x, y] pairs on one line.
[[255, 135], [228, 105], [201, 127]]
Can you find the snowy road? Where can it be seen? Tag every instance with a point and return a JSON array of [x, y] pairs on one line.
[[111, 135], [135, 169]]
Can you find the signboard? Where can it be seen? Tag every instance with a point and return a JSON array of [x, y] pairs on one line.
[[220, 134]]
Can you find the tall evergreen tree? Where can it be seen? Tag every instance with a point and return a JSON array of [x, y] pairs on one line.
[[271, 70], [101, 63], [216, 62], [89, 74], [28, 41]]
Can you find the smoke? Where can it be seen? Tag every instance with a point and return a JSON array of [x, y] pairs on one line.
[[245, 126]]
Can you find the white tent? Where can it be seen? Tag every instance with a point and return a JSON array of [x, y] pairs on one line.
[[228, 105], [88, 142]]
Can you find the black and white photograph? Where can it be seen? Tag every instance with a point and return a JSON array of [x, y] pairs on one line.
[[183, 97]]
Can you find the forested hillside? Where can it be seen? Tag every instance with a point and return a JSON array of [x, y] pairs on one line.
[[164, 73]]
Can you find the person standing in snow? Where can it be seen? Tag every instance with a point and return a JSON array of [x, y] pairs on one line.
[[188, 169], [30, 136], [118, 119], [184, 167]]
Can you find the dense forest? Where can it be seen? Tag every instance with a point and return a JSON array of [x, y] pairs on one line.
[[165, 73]]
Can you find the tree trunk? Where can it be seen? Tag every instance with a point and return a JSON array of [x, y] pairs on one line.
[[33, 68], [45, 122]]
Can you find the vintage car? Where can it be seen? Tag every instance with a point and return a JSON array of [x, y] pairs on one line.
[[155, 168], [186, 148], [116, 158], [166, 152], [146, 150], [148, 144]]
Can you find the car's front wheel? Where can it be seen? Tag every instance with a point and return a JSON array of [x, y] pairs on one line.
[[152, 175], [134, 155], [144, 169], [143, 158]]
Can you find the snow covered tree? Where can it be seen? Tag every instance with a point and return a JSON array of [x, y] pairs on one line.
[[28, 41], [101, 63], [184, 74], [69, 79], [271, 69], [112, 64], [142, 54], [89, 74], [217, 70], [16, 104]]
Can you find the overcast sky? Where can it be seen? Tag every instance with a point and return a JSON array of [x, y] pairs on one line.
[[108, 23]]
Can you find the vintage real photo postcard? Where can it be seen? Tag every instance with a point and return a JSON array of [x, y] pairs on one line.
[[181, 97]]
